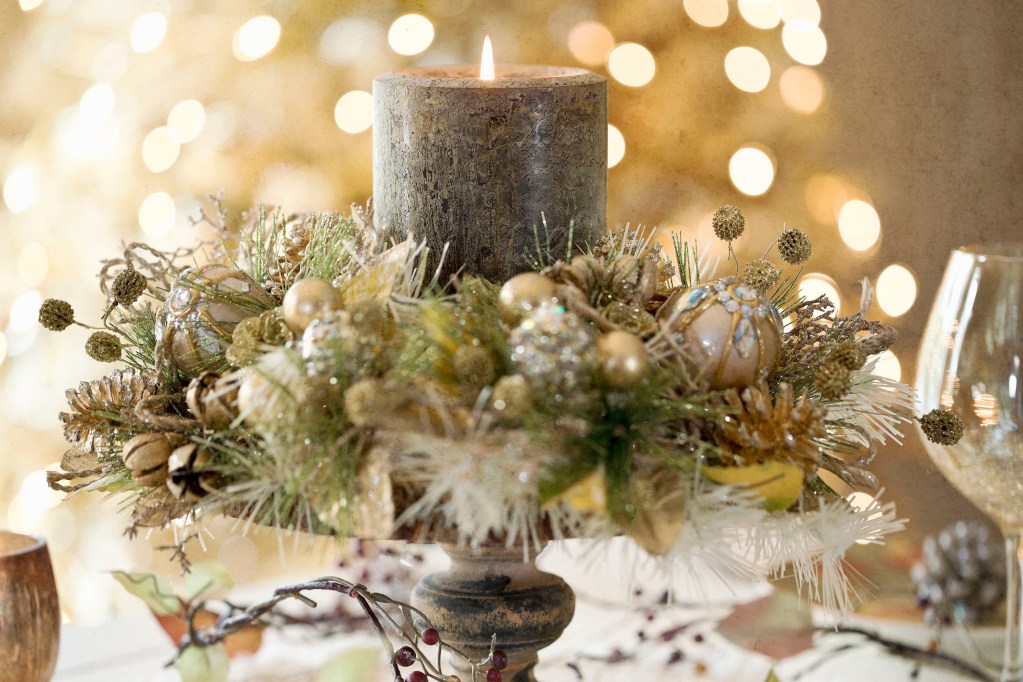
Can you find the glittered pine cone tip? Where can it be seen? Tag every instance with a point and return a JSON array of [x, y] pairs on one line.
[[942, 427], [849, 354], [128, 286], [794, 246], [728, 223], [103, 347], [832, 381], [56, 314], [761, 275]]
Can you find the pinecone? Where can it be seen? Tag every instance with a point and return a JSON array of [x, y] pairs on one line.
[[961, 575], [101, 408], [297, 232], [794, 246], [761, 431]]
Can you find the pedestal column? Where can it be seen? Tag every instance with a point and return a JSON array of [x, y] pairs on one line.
[[491, 590]]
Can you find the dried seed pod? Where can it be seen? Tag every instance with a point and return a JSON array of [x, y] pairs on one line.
[[146, 456], [128, 286], [186, 478], [56, 314], [214, 404], [103, 347], [632, 279], [849, 354], [585, 272], [832, 381]]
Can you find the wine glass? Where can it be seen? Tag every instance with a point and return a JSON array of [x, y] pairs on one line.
[[971, 362], [29, 612]]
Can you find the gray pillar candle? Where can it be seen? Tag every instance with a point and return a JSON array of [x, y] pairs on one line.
[[483, 164]]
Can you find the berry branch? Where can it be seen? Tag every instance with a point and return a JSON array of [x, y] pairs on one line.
[[411, 627]]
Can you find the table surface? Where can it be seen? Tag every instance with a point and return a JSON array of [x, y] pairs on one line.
[[134, 648]]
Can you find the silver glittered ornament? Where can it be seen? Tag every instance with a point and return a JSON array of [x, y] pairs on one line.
[[553, 349], [201, 311], [325, 342]]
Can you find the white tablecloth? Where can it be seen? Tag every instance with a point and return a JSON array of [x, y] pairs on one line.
[[133, 648]]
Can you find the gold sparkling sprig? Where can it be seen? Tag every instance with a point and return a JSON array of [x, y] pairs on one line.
[[56, 314], [103, 347], [765, 428], [127, 287], [848, 354], [761, 274], [728, 222], [943, 427], [832, 381], [794, 246]]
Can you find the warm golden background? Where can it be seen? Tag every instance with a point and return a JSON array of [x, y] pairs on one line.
[[890, 132]]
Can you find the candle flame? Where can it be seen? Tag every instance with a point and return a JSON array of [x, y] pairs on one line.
[[487, 62]]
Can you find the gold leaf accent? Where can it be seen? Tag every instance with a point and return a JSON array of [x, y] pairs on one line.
[[762, 430]]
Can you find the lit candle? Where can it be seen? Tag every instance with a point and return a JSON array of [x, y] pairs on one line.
[[491, 165]]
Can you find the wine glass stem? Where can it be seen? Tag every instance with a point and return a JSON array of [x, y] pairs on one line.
[[1011, 663]]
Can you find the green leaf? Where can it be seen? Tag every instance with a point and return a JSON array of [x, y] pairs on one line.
[[208, 580], [358, 664], [154, 590], [206, 664], [563, 474]]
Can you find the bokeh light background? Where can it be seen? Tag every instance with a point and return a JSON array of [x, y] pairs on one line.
[[118, 116]]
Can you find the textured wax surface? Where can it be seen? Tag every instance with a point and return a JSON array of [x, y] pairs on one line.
[[482, 168]]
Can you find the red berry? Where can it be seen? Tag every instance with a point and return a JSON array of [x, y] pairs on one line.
[[499, 659], [430, 636], [494, 675], [405, 656], [416, 676]]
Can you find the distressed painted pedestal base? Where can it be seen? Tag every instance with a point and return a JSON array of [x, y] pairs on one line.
[[491, 590]]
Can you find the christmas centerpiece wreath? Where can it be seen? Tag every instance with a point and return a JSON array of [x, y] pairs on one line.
[[303, 372]]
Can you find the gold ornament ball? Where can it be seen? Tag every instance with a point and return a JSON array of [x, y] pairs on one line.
[[522, 293], [622, 359], [307, 300], [730, 330]]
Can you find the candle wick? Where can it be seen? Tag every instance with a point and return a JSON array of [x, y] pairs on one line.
[[487, 61]]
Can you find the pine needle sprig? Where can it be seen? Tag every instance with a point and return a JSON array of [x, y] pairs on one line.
[[140, 332], [687, 261], [333, 239], [787, 291]]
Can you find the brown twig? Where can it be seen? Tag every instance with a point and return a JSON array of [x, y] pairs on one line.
[[915, 653]]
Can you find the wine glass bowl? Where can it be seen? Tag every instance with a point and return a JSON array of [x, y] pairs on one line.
[[971, 363]]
